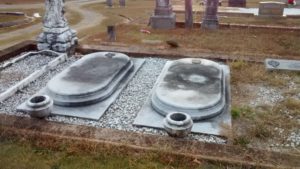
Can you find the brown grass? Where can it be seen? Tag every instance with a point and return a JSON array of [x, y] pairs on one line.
[[258, 43], [9, 18], [9, 2], [255, 126], [48, 152]]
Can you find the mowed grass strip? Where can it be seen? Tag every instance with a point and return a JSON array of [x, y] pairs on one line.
[[17, 155]]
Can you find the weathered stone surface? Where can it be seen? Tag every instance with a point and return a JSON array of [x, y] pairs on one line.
[[163, 17], [280, 64], [192, 86], [237, 3], [178, 124], [271, 9], [89, 80], [90, 111], [203, 92], [56, 34], [39, 106], [210, 19]]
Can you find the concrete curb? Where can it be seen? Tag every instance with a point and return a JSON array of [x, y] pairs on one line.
[[12, 90]]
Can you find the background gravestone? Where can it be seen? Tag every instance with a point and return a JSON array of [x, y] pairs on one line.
[[57, 35], [237, 3], [111, 33], [122, 3], [164, 17], [271, 9], [109, 3], [210, 19]]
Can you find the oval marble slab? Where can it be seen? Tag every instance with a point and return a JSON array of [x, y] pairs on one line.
[[89, 80], [193, 86]]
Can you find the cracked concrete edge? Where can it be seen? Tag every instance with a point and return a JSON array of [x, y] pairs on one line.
[[38, 130]]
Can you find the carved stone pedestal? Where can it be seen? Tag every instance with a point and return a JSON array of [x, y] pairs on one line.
[[57, 39], [56, 35], [164, 17]]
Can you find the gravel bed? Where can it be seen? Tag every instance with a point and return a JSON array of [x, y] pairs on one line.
[[122, 112], [20, 70], [267, 96]]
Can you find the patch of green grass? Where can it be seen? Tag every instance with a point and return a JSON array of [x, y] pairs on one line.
[[16, 155], [241, 141], [235, 112]]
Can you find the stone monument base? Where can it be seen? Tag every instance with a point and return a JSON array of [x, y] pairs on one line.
[[210, 24], [57, 39], [163, 22]]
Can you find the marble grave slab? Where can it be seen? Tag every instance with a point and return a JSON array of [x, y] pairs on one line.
[[90, 85], [198, 87], [280, 64]]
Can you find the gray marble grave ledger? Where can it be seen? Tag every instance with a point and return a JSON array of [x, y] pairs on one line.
[[163, 17], [191, 86], [56, 33], [90, 85], [197, 87], [89, 80]]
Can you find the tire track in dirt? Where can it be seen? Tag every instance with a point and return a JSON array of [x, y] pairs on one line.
[[89, 19]]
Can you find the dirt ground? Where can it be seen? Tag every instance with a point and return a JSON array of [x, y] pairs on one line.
[[20, 1]]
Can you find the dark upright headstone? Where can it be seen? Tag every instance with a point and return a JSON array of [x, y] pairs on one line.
[[188, 14], [109, 3], [122, 3], [164, 17], [237, 3], [210, 19], [111, 32]]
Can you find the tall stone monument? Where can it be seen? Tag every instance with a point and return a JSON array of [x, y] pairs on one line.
[[210, 19], [164, 17], [57, 35], [188, 14]]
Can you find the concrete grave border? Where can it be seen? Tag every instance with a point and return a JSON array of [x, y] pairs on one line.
[[148, 117], [94, 111], [61, 57]]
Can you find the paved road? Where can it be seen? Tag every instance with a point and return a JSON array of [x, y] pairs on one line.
[[89, 18]]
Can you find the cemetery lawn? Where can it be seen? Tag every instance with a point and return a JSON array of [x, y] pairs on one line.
[[16, 155], [9, 18], [256, 43], [260, 119]]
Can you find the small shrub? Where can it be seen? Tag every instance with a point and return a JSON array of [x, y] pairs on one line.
[[238, 65], [235, 112], [241, 141], [261, 131]]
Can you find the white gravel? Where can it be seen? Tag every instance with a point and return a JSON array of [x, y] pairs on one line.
[[18, 71], [122, 112]]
